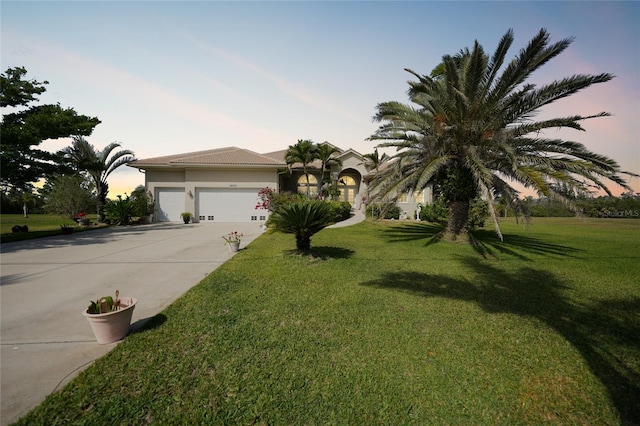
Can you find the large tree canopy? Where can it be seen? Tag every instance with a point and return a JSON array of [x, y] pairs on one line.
[[473, 131], [23, 130]]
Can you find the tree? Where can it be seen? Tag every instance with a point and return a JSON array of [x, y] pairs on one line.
[[67, 195], [373, 161], [97, 164], [305, 152], [325, 153], [302, 219], [142, 201], [23, 130], [473, 131]]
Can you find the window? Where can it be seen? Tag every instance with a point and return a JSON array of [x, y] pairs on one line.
[[418, 196], [313, 185], [403, 198], [348, 187]]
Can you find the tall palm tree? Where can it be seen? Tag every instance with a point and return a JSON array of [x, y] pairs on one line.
[[98, 164], [474, 132], [374, 160], [325, 153], [305, 152]]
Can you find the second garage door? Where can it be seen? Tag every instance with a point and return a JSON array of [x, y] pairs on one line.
[[228, 205]]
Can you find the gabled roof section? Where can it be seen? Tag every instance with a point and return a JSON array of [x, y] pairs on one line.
[[230, 156], [350, 152]]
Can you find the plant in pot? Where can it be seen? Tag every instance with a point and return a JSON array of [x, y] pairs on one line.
[[233, 240], [66, 229], [186, 216], [82, 219], [110, 317]]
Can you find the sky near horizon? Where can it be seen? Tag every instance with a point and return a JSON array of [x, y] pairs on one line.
[[173, 77]]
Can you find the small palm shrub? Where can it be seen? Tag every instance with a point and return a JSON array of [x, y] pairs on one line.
[[120, 211], [303, 219]]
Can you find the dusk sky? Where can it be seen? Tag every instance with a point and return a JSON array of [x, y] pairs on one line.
[[174, 77]]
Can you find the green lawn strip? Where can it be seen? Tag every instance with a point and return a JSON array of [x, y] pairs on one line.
[[385, 325], [40, 225]]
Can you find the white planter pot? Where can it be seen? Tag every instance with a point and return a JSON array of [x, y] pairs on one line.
[[112, 326], [234, 246]]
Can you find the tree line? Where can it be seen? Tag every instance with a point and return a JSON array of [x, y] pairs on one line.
[[78, 171]]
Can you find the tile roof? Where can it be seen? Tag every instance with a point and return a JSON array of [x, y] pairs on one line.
[[229, 156]]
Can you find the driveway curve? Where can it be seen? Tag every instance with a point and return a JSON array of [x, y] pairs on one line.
[[46, 283]]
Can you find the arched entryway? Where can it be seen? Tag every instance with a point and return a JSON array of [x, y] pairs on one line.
[[349, 186]]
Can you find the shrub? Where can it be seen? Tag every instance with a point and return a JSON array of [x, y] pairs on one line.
[[119, 211], [340, 210], [478, 213], [435, 212], [142, 201], [303, 218], [383, 211], [271, 200]]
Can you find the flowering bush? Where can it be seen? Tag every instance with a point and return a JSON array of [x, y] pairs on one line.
[[233, 237], [264, 198]]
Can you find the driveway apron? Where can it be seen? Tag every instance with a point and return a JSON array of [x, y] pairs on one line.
[[47, 283]]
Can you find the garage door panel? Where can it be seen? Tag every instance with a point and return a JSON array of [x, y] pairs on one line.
[[229, 205], [170, 204]]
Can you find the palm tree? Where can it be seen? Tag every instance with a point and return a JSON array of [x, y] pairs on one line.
[[474, 132], [98, 164], [373, 161], [324, 153], [305, 152], [302, 219]]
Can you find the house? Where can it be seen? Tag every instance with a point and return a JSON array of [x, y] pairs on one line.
[[222, 184]]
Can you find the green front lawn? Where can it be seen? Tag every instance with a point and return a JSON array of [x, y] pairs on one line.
[[40, 225], [385, 325]]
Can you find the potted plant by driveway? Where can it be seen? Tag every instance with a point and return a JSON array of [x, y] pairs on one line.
[[233, 240], [110, 318], [66, 229], [82, 219], [186, 216]]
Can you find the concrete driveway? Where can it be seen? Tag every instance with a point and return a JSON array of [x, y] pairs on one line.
[[47, 283]]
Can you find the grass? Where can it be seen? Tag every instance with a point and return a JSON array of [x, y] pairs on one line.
[[40, 225], [383, 324]]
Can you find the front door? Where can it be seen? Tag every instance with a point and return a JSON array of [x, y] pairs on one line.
[[348, 189]]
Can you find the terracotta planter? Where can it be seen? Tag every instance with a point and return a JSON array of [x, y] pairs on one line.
[[234, 246], [112, 326]]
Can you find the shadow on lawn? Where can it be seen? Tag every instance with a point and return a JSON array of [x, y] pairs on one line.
[[592, 329], [324, 252], [414, 231], [488, 245], [484, 241]]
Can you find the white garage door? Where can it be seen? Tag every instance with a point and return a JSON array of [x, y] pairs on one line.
[[170, 203], [228, 205]]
